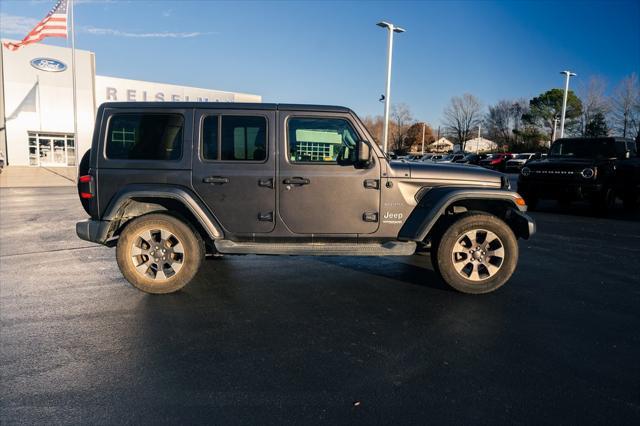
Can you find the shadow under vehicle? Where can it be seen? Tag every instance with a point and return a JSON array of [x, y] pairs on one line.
[[167, 183], [596, 170]]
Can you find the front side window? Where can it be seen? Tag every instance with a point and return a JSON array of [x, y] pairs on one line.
[[145, 137], [321, 140], [241, 138]]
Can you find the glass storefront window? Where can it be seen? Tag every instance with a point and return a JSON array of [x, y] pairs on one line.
[[51, 149]]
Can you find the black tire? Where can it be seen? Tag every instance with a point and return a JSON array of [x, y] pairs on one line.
[[604, 201], [164, 265], [531, 200], [442, 254]]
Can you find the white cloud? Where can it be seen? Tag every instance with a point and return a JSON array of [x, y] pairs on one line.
[[13, 24], [162, 34]]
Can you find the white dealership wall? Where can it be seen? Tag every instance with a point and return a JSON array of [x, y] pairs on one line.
[[33, 100]]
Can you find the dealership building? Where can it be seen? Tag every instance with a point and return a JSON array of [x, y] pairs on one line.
[[36, 102]]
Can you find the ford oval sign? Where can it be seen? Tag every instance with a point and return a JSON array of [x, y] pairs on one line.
[[48, 64]]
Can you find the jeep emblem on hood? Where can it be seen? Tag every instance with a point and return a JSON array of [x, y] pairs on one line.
[[48, 64]]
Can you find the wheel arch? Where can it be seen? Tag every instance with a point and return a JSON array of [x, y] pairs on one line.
[[137, 200], [439, 205]]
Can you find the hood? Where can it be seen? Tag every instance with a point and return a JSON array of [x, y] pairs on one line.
[[556, 163], [463, 174]]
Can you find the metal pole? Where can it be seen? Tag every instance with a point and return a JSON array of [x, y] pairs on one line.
[[75, 106], [569, 74], [478, 142], [424, 127], [387, 98], [555, 128]]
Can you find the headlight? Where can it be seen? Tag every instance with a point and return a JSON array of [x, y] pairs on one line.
[[588, 173], [525, 171]]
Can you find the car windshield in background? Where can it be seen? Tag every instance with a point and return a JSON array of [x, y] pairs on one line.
[[583, 149], [523, 156]]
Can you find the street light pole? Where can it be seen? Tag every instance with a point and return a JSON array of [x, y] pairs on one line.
[[387, 99], [568, 74], [555, 126], [424, 127]]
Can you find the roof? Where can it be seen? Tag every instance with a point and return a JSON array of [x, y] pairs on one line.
[[228, 105]]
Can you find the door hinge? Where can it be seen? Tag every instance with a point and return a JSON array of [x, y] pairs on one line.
[[372, 184], [370, 216], [265, 217]]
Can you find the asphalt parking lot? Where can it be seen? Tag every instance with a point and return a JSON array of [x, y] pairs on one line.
[[274, 340]]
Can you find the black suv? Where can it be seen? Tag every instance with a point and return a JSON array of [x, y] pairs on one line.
[[597, 170], [167, 183]]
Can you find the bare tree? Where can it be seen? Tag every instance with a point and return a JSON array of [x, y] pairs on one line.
[[594, 100], [626, 107], [499, 120], [401, 120], [462, 116]]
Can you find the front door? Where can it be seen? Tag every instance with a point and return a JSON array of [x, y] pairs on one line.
[[234, 168], [321, 191]]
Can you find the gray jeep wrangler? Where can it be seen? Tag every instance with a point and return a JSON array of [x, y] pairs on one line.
[[168, 183]]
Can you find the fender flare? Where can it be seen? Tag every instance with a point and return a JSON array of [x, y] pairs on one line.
[[181, 194], [435, 202]]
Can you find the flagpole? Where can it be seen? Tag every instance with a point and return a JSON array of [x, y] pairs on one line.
[[75, 106]]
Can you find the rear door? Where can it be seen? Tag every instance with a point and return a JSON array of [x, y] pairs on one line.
[[234, 165], [321, 191]]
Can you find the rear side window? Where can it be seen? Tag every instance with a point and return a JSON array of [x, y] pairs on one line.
[[240, 138], [145, 137]]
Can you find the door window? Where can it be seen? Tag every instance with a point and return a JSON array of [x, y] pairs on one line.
[[241, 138], [321, 140]]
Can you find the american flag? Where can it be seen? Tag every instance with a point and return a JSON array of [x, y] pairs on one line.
[[53, 25]]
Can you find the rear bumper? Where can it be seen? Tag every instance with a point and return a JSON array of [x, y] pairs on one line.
[[95, 231]]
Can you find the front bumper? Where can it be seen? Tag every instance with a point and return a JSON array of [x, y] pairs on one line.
[[559, 190], [521, 223], [95, 231]]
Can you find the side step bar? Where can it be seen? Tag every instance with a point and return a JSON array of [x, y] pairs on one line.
[[389, 248]]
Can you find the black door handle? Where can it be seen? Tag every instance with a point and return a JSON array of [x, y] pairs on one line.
[[296, 181], [216, 180]]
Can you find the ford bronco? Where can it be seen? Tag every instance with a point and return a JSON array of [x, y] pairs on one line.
[[597, 170], [169, 183]]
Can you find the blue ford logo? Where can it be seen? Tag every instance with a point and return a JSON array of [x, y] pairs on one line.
[[48, 64]]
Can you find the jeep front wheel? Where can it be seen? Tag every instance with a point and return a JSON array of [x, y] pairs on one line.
[[476, 254], [158, 253]]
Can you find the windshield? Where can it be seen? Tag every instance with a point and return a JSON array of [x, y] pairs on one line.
[[583, 149], [523, 156]]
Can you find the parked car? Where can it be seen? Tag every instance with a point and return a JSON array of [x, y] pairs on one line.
[[496, 161], [597, 170], [451, 158], [471, 159], [166, 183], [518, 161]]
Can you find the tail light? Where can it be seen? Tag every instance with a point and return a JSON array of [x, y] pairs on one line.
[[86, 187]]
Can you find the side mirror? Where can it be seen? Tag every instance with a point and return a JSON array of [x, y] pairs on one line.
[[364, 153]]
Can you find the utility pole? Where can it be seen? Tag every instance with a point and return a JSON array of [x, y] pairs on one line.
[[555, 126], [387, 100], [568, 75], [478, 140], [424, 127]]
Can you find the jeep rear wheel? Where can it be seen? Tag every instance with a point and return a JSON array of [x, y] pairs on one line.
[[158, 253], [476, 254]]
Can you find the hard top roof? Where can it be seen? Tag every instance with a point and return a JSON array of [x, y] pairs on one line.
[[227, 105]]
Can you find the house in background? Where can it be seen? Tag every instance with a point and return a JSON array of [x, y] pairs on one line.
[[441, 145], [480, 145]]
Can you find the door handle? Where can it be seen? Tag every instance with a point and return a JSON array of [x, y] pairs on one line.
[[296, 181], [216, 180]]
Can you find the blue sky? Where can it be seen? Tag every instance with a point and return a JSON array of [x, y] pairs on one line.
[[333, 53]]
